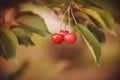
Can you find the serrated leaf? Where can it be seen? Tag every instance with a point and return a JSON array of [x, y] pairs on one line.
[[100, 36], [8, 44], [107, 17], [23, 35], [92, 43], [33, 23], [96, 16]]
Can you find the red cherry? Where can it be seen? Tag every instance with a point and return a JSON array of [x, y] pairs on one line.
[[70, 38], [64, 32], [57, 38]]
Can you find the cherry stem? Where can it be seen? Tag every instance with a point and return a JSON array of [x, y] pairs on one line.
[[73, 16], [69, 19], [70, 13], [66, 22], [64, 16]]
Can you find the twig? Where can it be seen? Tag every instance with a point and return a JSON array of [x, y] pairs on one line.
[[73, 16]]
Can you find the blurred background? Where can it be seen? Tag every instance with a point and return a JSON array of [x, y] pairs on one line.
[[48, 61]]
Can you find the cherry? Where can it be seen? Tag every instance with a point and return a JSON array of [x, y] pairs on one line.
[[70, 38], [64, 32], [57, 38]]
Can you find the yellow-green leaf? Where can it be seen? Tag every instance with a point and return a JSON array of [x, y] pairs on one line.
[[85, 3], [8, 44], [107, 17], [55, 2], [109, 5], [92, 43], [86, 17], [100, 36], [23, 35], [96, 16]]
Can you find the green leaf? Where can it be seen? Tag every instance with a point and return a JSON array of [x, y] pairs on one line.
[[32, 23], [86, 17], [29, 7], [92, 43], [66, 3], [8, 44], [55, 2], [23, 35], [100, 36], [109, 5], [96, 17], [76, 29], [85, 3], [107, 17]]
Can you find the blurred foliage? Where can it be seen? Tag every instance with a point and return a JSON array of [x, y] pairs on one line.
[[8, 44], [101, 15]]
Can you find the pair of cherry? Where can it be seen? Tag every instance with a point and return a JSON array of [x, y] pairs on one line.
[[65, 36]]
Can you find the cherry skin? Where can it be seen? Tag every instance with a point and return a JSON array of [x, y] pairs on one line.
[[70, 38], [57, 38], [64, 32]]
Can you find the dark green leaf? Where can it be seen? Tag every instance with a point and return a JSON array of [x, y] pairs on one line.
[[92, 43], [97, 24], [85, 3], [100, 36], [57, 3], [96, 17], [86, 17], [108, 19], [8, 44], [23, 35], [32, 23], [112, 6], [28, 7], [67, 3]]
